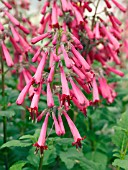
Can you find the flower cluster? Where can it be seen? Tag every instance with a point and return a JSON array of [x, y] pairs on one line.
[[68, 45]]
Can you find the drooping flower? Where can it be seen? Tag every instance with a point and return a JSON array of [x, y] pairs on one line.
[[15, 33], [123, 9], [108, 4], [57, 126], [33, 109], [78, 94], [51, 74], [40, 144], [40, 68], [74, 131], [37, 54], [66, 58], [95, 91], [55, 23], [23, 93], [8, 5], [65, 88], [40, 37], [80, 58], [12, 18], [7, 55], [60, 121], [1, 27], [50, 101]]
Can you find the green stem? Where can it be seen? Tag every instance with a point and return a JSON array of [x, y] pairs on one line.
[[91, 129], [118, 168], [4, 118], [94, 16], [41, 162]]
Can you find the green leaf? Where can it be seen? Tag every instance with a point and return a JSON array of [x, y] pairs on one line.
[[124, 121], [97, 157], [49, 156], [17, 107], [121, 163], [15, 143], [7, 113], [120, 137], [32, 158], [70, 157], [18, 165], [31, 137]]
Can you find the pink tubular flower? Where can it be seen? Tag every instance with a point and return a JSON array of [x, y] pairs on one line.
[[78, 94], [54, 41], [59, 11], [123, 9], [74, 131], [118, 72], [97, 32], [40, 68], [78, 72], [76, 41], [86, 5], [39, 38], [88, 31], [57, 127], [80, 58], [35, 100], [116, 33], [7, 4], [39, 117], [40, 144], [23, 93], [23, 42], [51, 61], [78, 16], [95, 91], [113, 54], [65, 88], [61, 124], [105, 90], [108, 4], [64, 36], [1, 27], [50, 101], [16, 46], [111, 38], [115, 26], [75, 101], [116, 20], [46, 20], [27, 78], [15, 34], [12, 18], [55, 57], [43, 10], [25, 30], [83, 85], [51, 74], [66, 58], [76, 62], [65, 6], [20, 85], [7, 55], [54, 16], [35, 57]]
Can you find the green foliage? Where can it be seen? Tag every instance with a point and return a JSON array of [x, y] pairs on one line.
[[18, 165], [120, 139], [15, 143]]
